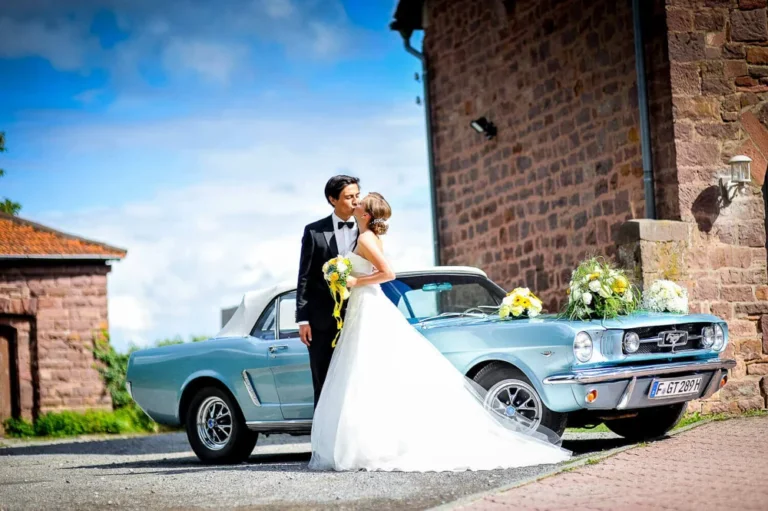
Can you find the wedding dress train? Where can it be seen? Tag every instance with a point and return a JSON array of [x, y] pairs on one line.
[[393, 402]]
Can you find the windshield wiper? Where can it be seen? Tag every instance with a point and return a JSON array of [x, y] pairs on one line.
[[479, 308], [452, 315]]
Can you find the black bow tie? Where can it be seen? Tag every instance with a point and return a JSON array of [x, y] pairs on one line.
[[348, 224]]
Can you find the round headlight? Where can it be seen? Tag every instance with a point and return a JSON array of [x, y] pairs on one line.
[[719, 338], [707, 337], [631, 342], [582, 347]]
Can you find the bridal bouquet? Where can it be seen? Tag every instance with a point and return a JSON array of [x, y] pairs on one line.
[[598, 290], [520, 302], [665, 296], [335, 273]]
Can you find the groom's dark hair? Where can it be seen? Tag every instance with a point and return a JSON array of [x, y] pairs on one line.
[[336, 184]]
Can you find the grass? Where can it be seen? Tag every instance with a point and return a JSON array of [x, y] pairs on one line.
[[600, 428], [687, 420], [128, 419]]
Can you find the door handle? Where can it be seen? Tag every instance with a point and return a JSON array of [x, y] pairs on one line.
[[275, 349]]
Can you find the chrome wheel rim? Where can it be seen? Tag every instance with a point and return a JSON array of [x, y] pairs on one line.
[[516, 400], [214, 423]]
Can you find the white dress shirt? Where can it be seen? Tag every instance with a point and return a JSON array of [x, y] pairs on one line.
[[345, 237]]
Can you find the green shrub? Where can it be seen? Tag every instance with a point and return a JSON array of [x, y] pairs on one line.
[[18, 428], [60, 424], [112, 369]]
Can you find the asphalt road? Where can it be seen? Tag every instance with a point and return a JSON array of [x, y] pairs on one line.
[[161, 472]]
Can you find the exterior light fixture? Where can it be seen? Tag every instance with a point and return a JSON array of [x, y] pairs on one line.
[[484, 126], [741, 175]]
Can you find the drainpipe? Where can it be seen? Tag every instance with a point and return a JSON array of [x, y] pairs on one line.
[[406, 35], [645, 124]]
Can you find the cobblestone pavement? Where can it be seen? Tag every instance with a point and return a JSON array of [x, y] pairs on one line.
[[160, 472], [720, 465]]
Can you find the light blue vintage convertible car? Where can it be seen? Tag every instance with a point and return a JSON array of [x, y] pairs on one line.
[[634, 373]]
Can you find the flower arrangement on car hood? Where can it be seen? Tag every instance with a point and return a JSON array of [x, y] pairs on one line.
[[599, 290], [665, 296], [520, 302]]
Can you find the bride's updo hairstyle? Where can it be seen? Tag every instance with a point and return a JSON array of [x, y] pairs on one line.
[[376, 206]]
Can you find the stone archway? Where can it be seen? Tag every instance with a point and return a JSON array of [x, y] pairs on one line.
[[9, 375]]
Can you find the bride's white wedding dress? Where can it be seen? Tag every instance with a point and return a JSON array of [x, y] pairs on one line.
[[392, 401]]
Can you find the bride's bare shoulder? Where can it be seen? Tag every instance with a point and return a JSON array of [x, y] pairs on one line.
[[369, 240]]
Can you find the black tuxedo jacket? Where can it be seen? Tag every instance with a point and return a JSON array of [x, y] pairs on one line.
[[314, 302]]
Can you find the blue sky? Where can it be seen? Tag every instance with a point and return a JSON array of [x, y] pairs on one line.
[[198, 135]]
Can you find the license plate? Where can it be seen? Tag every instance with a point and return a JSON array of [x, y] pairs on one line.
[[669, 388]]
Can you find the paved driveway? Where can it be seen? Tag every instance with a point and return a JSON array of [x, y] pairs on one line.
[[161, 472], [720, 465]]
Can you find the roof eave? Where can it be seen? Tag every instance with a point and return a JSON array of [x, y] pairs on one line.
[[408, 16], [45, 228], [60, 257]]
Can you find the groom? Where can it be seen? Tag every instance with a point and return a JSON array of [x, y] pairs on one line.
[[324, 240]]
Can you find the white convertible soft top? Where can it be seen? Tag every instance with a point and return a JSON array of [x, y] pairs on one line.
[[254, 302]]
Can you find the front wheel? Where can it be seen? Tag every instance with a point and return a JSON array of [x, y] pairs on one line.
[[216, 429], [512, 395], [649, 423]]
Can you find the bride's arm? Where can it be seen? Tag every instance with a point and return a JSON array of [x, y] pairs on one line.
[[373, 253]]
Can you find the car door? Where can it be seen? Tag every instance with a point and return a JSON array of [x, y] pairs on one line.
[[257, 374], [289, 362]]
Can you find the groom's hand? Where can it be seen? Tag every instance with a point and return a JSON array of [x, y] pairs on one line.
[[305, 334]]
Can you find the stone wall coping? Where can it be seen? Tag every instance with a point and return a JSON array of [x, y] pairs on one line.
[[645, 229]]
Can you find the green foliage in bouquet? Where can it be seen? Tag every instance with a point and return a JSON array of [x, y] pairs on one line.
[[599, 290]]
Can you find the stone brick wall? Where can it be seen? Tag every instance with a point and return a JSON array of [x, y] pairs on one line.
[[62, 305], [723, 280], [718, 54], [558, 80]]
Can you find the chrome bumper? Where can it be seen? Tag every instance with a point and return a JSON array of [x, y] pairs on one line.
[[624, 373]]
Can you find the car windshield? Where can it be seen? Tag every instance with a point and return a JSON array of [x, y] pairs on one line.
[[426, 296]]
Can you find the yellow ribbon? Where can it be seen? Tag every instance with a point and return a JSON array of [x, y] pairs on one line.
[[337, 291]]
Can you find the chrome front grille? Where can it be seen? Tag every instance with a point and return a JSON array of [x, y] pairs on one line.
[[658, 339]]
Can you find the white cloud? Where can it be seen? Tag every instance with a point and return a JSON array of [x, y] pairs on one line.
[[279, 9], [212, 39], [62, 43], [197, 246], [215, 62]]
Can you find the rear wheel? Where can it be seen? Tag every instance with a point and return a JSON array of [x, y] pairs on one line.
[[649, 423], [511, 394], [216, 429]]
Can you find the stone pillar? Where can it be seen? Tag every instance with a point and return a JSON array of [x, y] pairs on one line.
[[721, 279]]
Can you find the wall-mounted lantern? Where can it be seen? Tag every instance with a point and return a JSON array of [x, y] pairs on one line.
[[483, 125], [741, 175]]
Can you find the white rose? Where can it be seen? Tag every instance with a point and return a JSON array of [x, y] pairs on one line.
[[507, 301], [516, 311], [586, 298], [341, 267], [595, 286], [533, 313]]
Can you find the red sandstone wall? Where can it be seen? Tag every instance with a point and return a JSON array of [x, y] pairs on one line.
[[62, 305], [558, 80], [718, 53]]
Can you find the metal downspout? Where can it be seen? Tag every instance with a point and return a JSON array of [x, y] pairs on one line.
[[406, 35], [645, 124]]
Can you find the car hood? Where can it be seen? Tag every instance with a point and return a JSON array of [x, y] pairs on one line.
[[634, 320]]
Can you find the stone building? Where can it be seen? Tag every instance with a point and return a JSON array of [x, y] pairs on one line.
[[614, 122], [53, 298]]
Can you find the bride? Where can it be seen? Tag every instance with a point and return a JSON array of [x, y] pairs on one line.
[[392, 401]]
